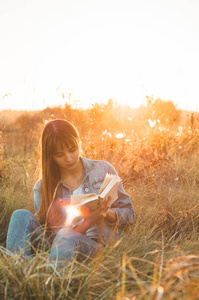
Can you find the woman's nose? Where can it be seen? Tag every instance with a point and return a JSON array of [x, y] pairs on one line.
[[67, 156]]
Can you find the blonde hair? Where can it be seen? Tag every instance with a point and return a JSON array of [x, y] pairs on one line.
[[56, 132]]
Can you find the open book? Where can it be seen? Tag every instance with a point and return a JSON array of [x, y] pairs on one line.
[[92, 201]]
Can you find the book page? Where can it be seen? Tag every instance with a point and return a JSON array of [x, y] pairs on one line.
[[74, 199], [91, 201], [106, 181], [110, 187]]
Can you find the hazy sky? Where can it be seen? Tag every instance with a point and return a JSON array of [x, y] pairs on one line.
[[96, 50]]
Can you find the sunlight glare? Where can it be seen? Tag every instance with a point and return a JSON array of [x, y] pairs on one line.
[[97, 51], [71, 213], [151, 123], [120, 135]]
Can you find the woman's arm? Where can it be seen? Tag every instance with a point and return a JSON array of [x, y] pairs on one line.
[[121, 212]]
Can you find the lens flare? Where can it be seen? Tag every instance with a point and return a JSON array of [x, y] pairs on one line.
[[62, 215], [71, 215]]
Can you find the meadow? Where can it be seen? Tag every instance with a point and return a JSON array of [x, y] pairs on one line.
[[155, 150]]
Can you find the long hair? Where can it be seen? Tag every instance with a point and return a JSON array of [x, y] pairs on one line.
[[56, 132]]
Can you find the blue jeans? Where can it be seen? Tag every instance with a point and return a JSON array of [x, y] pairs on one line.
[[26, 233]]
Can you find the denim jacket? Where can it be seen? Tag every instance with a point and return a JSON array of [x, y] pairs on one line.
[[94, 174]]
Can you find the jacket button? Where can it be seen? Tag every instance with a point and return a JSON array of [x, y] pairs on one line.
[[86, 189]]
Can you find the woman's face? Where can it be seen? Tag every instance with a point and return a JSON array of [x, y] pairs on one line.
[[67, 158]]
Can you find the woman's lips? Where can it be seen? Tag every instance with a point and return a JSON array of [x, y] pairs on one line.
[[70, 165]]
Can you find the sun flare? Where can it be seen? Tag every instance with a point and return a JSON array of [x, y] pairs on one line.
[[71, 213]]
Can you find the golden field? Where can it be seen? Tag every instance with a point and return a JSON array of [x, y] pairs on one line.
[[155, 150]]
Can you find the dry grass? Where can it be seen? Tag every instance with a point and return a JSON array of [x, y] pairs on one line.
[[157, 258]]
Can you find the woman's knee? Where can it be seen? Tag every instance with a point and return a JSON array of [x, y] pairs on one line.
[[21, 215]]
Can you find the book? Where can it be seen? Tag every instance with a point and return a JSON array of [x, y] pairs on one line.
[[92, 201]]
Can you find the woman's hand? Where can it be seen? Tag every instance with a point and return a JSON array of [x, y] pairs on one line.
[[108, 213], [104, 207], [102, 212]]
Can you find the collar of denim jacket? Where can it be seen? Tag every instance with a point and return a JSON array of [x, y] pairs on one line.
[[88, 164]]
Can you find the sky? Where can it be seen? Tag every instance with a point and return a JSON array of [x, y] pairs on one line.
[[91, 51]]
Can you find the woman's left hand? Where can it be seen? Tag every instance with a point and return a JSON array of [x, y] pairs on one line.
[[108, 213], [105, 207]]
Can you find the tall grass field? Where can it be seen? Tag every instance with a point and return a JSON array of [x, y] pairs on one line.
[[155, 150]]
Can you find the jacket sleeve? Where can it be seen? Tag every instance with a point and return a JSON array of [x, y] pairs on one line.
[[37, 195]]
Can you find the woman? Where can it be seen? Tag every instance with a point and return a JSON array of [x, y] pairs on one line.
[[66, 172]]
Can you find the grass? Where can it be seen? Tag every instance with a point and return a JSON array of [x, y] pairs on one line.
[[157, 258]]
